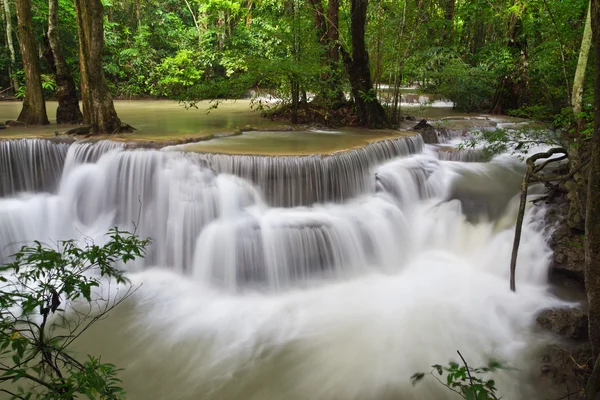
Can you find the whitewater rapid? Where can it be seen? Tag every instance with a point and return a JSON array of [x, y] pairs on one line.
[[241, 300]]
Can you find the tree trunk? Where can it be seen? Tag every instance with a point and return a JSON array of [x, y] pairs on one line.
[[98, 108], [368, 110], [578, 81], [320, 22], [333, 36], [592, 221], [333, 31], [449, 16], [68, 105], [326, 25], [11, 48], [34, 107]]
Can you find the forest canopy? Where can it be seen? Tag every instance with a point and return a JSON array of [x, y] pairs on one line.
[[516, 56]]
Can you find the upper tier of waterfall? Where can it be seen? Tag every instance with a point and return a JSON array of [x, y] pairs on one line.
[[211, 215]]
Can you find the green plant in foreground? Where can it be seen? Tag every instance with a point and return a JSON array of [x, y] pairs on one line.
[[48, 298], [464, 380]]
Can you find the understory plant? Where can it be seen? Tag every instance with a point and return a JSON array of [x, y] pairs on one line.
[[49, 296], [469, 383]]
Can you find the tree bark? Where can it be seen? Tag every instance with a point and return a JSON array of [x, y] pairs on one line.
[[333, 30], [98, 108], [11, 48], [320, 22], [34, 107], [68, 111], [578, 81], [326, 26], [449, 12], [368, 110], [592, 220]]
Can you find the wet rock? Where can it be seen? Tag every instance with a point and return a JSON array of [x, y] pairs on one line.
[[571, 323], [566, 366], [428, 132], [15, 124], [410, 118], [423, 124], [2, 126], [568, 260]]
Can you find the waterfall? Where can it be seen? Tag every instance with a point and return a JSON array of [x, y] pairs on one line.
[[89, 152], [384, 261], [30, 165], [461, 155], [289, 181]]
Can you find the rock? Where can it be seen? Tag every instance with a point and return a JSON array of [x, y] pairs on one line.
[[568, 260], [571, 323], [428, 132], [15, 124], [410, 118], [565, 365], [80, 130], [423, 124], [2, 126]]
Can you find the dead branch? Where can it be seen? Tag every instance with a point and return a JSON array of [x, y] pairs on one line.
[[533, 175]]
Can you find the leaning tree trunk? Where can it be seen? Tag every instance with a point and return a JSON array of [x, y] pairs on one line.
[[11, 48], [368, 110], [68, 105], [592, 220], [98, 108], [34, 107]]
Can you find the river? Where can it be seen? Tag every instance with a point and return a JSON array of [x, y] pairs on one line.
[[331, 276]]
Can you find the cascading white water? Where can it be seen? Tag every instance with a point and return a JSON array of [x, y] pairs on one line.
[[305, 180], [334, 301], [461, 155], [30, 165]]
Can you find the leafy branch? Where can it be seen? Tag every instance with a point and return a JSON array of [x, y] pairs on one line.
[[43, 294]]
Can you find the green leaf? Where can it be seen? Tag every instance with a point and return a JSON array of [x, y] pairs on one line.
[[417, 377]]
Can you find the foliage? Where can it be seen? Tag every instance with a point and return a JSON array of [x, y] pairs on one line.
[[469, 88], [50, 296], [462, 51], [465, 381], [516, 141]]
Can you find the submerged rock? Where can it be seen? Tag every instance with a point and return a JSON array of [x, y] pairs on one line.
[[2, 126]]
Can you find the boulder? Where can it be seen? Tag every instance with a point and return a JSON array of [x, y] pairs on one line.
[[571, 323], [568, 260], [428, 132]]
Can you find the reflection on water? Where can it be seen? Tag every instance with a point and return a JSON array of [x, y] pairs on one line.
[[156, 118]]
